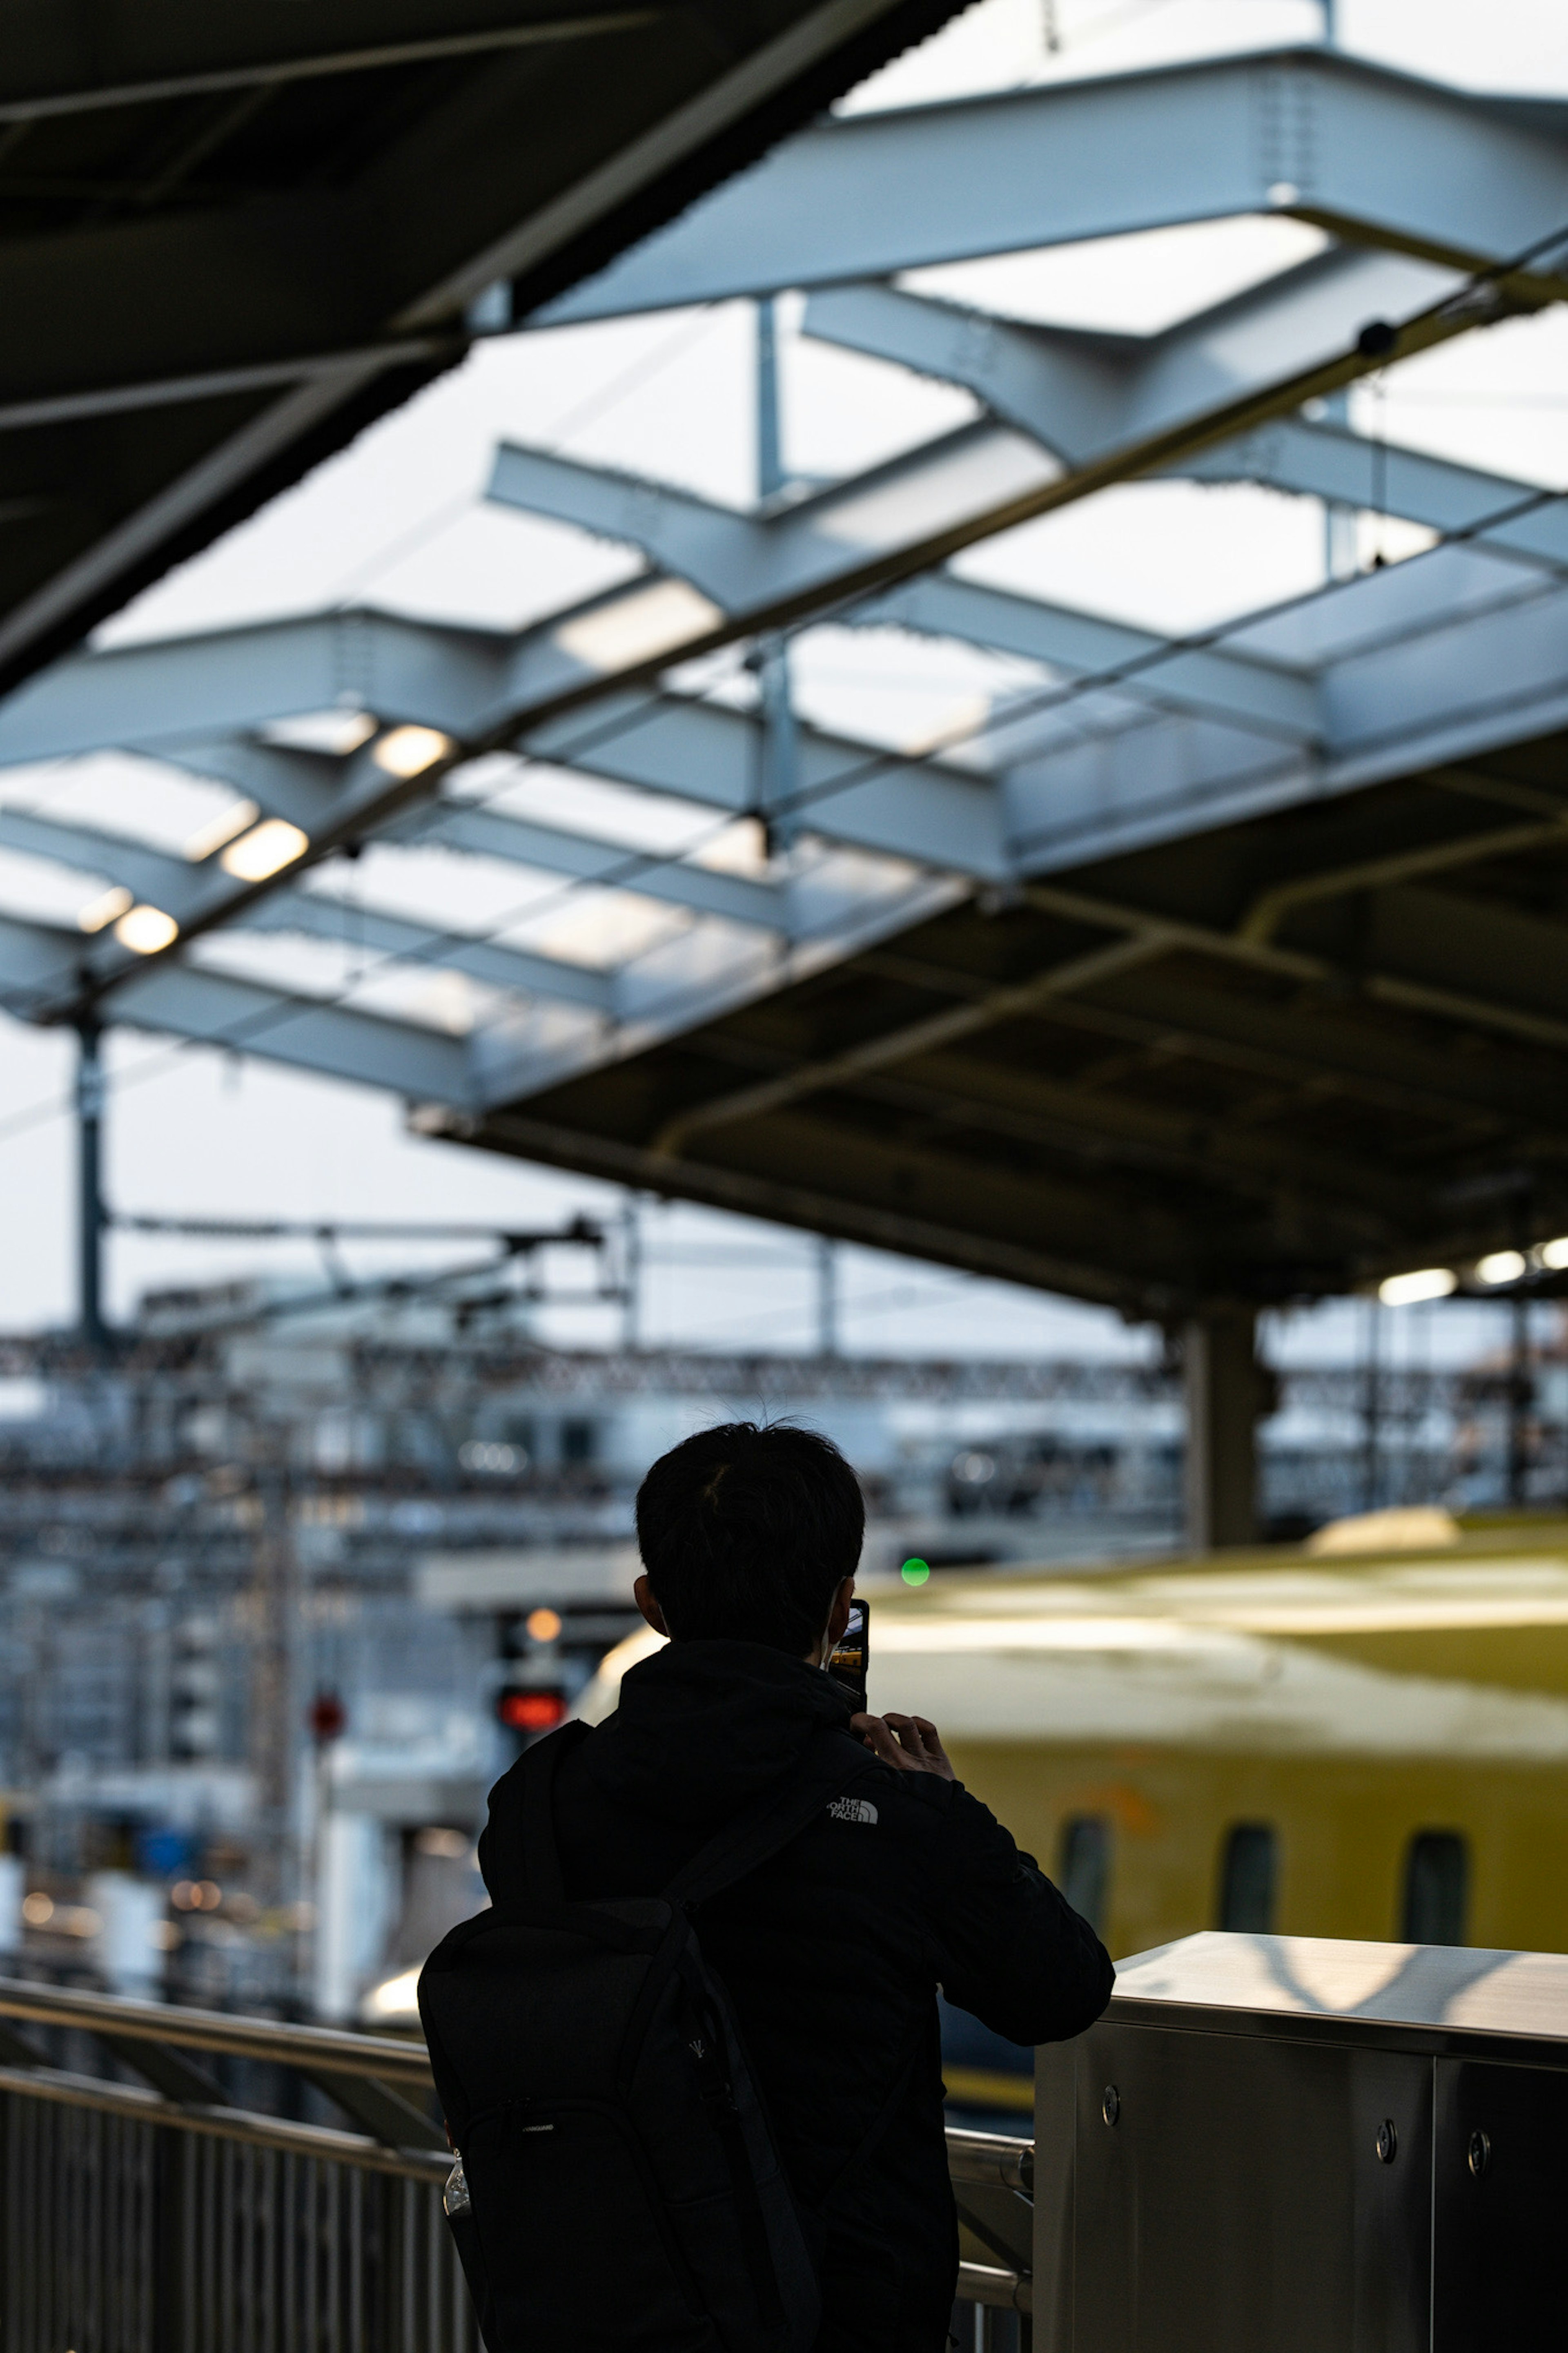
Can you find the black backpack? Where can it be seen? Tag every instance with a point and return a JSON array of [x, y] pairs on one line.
[[624, 2191]]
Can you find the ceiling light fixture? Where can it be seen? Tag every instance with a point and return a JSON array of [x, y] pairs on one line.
[[1555, 1254], [1501, 1266], [638, 627], [1426, 1282], [273, 845], [336, 732], [103, 910], [144, 930], [409, 751], [221, 829]]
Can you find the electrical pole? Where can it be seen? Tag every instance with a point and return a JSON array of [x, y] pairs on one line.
[[1372, 1411], [826, 1295], [631, 1275], [1520, 1402], [779, 765], [90, 1218], [276, 1729]]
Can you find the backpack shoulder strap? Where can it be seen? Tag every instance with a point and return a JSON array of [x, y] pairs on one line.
[[541, 1878], [831, 1762]]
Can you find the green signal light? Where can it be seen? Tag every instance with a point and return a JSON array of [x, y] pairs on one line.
[[915, 1572]]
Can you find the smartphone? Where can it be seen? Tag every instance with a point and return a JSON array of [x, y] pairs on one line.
[[850, 1655]]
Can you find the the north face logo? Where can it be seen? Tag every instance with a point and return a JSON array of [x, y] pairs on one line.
[[853, 1809]]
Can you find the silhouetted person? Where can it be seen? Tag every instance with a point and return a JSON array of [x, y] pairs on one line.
[[833, 1950]]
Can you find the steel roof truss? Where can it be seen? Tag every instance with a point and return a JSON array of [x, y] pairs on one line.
[[1369, 153]]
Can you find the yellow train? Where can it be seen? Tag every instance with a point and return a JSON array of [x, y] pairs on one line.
[[1373, 1745]]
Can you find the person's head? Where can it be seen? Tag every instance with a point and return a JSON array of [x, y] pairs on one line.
[[753, 1534]]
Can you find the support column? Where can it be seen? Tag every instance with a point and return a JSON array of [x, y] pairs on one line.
[[826, 1295], [779, 780], [1224, 1395], [276, 1742], [1520, 1402], [90, 1186], [1372, 1411], [631, 1275]]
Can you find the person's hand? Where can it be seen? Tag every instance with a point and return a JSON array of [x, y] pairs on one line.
[[910, 1744]]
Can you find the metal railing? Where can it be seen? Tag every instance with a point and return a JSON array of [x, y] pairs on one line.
[[994, 2182], [145, 2209]]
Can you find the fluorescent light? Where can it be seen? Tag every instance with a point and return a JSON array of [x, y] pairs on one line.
[[1001, 465], [145, 930], [1555, 1254], [336, 732], [221, 829], [101, 910], [636, 628], [1426, 1282], [409, 751], [274, 844], [1501, 1266]]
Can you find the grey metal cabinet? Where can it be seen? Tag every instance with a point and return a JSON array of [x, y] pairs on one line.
[[1275, 2145]]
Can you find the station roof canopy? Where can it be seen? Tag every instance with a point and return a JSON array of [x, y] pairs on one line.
[[1270, 1059], [230, 236], [1231, 966]]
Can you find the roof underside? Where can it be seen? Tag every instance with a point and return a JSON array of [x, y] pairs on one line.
[[1183, 969], [1260, 1063], [229, 238]]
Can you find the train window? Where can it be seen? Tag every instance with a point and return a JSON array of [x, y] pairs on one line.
[[1085, 1870], [1437, 1888], [1248, 1872]]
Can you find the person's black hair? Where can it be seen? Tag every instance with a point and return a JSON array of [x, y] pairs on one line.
[[746, 1532]]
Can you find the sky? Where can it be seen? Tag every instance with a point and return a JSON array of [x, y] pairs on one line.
[[398, 521]]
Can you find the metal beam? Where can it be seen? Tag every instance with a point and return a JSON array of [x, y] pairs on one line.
[[1419, 1078], [36, 87], [304, 787], [1063, 387], [217, 384], [789, 1199], [136, 697], [181, 889], [192, 689], [349, 258], [1374, 155], [931, 1032], [306, 288], [214, 1009], [851, 542], [1149, 937], [585, 858], [972, 1090], [855, 794], [735, 558], [1271, 907], [1327, 461], [1470, 655], [211, 1008], [127, 552], [1265, 698]]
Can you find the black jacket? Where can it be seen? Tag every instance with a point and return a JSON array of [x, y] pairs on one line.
[[832, 1952]]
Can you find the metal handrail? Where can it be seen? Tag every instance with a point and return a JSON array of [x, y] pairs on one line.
[[991, 2157], [324, 2050], [986, 2160], [247, 2124]]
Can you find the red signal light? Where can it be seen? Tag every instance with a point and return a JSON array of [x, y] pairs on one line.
[[327, 1716], [531, 1709]]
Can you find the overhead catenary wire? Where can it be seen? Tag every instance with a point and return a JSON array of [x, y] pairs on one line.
[[419, 534]]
